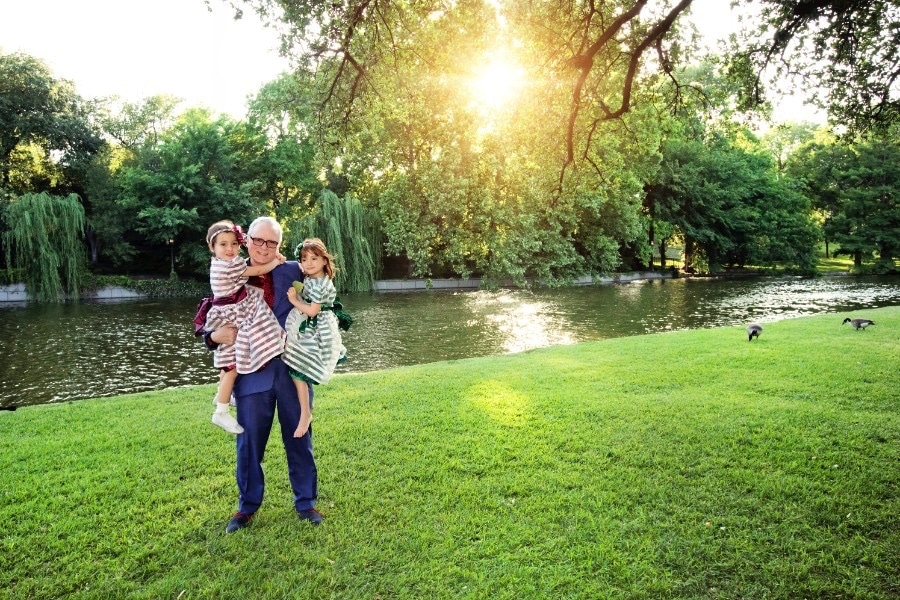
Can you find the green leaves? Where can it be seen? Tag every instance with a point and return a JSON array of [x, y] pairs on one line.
[[855, 187], [202, 170], [44, 239], [729, 206]]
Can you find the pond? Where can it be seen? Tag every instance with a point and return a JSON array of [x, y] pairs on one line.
[[54, 353]]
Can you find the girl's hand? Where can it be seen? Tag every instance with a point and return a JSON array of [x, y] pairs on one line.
[[292, 294]]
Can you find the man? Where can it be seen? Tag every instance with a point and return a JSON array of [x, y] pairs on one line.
[[261, 394]]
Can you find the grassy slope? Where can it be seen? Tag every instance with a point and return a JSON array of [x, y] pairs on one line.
[[680, 465]]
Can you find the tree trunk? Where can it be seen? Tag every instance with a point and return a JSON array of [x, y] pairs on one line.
[[690, 251], [91, 238]]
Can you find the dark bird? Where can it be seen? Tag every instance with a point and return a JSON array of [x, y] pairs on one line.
[[753, 330], [858, 323]]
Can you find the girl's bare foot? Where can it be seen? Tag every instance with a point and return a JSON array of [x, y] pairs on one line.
[[303, 427]]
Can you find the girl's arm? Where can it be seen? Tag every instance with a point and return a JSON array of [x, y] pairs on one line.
[[310, 310], [252, 271]]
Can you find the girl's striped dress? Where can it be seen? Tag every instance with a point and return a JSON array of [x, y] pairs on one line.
[[314, 352], [259, 336]]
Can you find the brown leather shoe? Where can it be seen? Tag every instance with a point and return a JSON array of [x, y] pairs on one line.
[[311, 515], [238, 521]]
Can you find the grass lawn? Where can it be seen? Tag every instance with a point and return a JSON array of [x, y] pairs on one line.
[[690, 464]]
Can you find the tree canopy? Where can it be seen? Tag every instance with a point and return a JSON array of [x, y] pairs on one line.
[[44, 126], [511, 140]]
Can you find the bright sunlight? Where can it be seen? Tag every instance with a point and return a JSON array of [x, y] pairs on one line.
[[496, 82]]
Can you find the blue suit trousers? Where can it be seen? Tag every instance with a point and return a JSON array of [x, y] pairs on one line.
[[256, 413]]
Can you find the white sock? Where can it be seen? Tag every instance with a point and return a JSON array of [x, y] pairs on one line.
[[221, 408]]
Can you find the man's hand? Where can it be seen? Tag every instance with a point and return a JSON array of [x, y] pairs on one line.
[[227, 334]]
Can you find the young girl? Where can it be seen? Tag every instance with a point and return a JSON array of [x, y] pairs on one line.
[[259, 337], [313, 346]]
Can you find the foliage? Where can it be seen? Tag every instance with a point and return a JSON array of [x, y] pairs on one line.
[[197, 175], [848, 49], [346, 228], [11, 276], [110, 230], [151, 288], [44, 127], [756, 470], [282, 112], [856, 187], [728, 206], [138, 126], [463, 185], [511, 140], [43, 241]]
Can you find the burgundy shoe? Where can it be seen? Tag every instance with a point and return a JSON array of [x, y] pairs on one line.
[[311, 515], [238, 521]]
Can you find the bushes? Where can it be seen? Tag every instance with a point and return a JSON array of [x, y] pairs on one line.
[[173, 287]]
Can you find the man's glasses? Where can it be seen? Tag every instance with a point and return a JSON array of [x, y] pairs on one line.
[[261, 242]]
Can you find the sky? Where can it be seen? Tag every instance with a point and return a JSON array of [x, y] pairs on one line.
[[139, 48]]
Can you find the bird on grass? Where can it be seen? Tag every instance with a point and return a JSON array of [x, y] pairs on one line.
[[858, 323], [753, 330]]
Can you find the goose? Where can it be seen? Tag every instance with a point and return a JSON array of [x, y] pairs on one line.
[[753, 330], [858, 323]]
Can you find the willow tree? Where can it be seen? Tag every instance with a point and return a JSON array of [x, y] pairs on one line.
[[350, 235], [44, 239]]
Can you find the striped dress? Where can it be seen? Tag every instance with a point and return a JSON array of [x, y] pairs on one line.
[[314, 353], [259, 337]]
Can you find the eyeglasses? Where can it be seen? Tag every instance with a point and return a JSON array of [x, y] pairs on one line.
[[261, 242]]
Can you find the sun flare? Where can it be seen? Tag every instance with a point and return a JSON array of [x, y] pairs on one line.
[[496, 83]]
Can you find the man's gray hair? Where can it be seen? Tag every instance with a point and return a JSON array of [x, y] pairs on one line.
[[270, 221]]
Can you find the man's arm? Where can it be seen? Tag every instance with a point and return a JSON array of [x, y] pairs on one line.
[[227, 334]]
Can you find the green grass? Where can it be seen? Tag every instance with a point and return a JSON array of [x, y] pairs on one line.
[[842, 264], [681, 465]]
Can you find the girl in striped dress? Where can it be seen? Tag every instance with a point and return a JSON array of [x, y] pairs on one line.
[[313, 346], [259, 336]]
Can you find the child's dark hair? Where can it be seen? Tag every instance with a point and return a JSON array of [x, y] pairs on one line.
[[317, 247]]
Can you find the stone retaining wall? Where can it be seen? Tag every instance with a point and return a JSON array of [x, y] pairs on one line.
[[17, 293], [405, 285]]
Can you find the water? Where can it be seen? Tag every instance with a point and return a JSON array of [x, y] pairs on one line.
[[54, 353]]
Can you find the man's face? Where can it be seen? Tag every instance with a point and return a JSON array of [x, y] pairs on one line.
[[262, 254]]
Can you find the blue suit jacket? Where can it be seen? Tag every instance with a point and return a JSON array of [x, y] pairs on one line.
[[263, 380]]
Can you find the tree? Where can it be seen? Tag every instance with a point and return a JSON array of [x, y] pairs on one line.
[[870, 221], [135, 130], [136, 126], [785, 138], [347, 231], [856, 187], [43, 240], [848, 49], [601, 52], [44, 126], [282, 112], [197, 175], [814, 169], [728, 206], [462, 186]]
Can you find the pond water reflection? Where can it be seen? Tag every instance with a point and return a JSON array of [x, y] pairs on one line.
[[55, 353]]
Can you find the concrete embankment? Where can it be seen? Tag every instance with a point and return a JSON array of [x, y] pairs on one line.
[[16, 292]]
